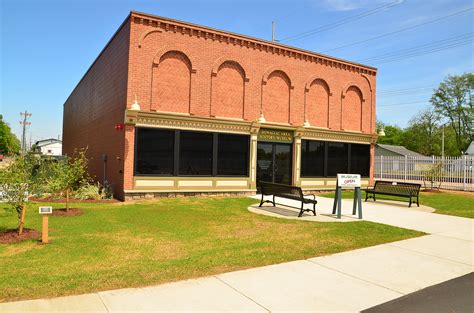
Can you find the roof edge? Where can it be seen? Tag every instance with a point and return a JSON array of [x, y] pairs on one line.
[[100, 53], [250, 38]]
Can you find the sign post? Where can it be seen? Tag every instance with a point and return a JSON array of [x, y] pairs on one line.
[[347, 181], [45, 211]]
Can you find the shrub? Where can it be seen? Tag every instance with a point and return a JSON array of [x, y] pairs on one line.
[[89, 192]]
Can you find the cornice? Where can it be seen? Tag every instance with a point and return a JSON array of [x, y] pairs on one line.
[[340, 136], [180, 121], [166, 24]]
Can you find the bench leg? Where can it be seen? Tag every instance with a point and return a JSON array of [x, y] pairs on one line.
[[410, 203], [261, 201], [417, 201], [314, 209], [366, 196], [301, 210], [274, 200]]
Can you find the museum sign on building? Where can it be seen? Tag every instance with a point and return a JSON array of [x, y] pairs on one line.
[[170, 107]]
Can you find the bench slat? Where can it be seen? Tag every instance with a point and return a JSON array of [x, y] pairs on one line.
[[288, 192]]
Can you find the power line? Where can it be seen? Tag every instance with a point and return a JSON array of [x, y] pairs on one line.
[[406, 93], [426, 52], [399, 31], [397, 104], [341, 22], [401, 90], [419, 48]]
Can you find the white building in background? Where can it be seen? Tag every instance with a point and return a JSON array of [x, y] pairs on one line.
[[49, 147], [470, 149]]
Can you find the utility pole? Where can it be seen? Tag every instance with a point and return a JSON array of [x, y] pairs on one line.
[[25, 123], [273, 31], [442, 143]]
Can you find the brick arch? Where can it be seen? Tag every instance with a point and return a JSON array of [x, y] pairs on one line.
[[271, 71], [351, 108], [368, 107], [228, 83], [224, 60], [315, 78], [352, 85], [276, 96], [316, 106], [145, 34], [171, 82]]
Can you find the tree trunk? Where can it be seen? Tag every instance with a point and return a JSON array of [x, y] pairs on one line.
[[21, 222], [67, 199]]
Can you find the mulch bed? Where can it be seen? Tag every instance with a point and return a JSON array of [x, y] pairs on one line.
[[55, 200], [70, 212], [11, 235]]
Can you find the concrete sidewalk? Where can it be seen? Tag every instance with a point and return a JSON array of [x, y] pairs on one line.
[[346, 282]]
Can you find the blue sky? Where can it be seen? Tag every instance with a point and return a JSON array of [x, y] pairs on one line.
[[46, 46]]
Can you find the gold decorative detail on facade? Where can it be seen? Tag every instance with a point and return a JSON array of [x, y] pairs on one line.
[[274, 135], [175, 121], [328, 135]]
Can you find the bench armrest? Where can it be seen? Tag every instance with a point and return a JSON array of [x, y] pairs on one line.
[[310, 194]]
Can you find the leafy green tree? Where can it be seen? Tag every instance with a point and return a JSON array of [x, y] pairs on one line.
[[423, 133], [68, 174], [393, 135], [453, 101], [9, 144], [17, 181]]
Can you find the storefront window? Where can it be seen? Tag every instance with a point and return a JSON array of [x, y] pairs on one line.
[[232, 155], [154, 152], [327, 159], [312, 158], [337, 158], [174, 152], [195, 153], [360, 160]]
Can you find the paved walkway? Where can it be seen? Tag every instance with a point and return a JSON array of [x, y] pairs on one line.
[[346, 282]]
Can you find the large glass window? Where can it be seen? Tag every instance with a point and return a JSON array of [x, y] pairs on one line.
[[154, 152], [232, 155], [337, 158], [312, 158], [195, 153], [360, 159]]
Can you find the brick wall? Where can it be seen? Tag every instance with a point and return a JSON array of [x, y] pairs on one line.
[[172, 66], [95, 106], [179, 67]]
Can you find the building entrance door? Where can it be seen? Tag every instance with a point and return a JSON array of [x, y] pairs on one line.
[[274, 162]]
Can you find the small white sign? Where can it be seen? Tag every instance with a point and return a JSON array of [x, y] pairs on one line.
[[45, 210], [348, 180]]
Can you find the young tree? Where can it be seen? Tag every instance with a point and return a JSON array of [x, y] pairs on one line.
[[9, 144], [68, 174], [453, 100], [17, 182]]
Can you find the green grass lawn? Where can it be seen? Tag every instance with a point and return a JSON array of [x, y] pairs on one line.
[[445, 202], [137, 244]]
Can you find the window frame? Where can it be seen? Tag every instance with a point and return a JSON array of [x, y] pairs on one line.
[[326, 157], [177, 149], [135, 159]]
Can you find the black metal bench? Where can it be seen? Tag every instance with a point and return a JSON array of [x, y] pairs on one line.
[[288, 192], [391, 188]]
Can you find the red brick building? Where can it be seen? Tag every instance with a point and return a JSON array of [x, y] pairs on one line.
[[206, 110]]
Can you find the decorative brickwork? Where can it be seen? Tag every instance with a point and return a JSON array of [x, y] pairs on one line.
[[186, 76]]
